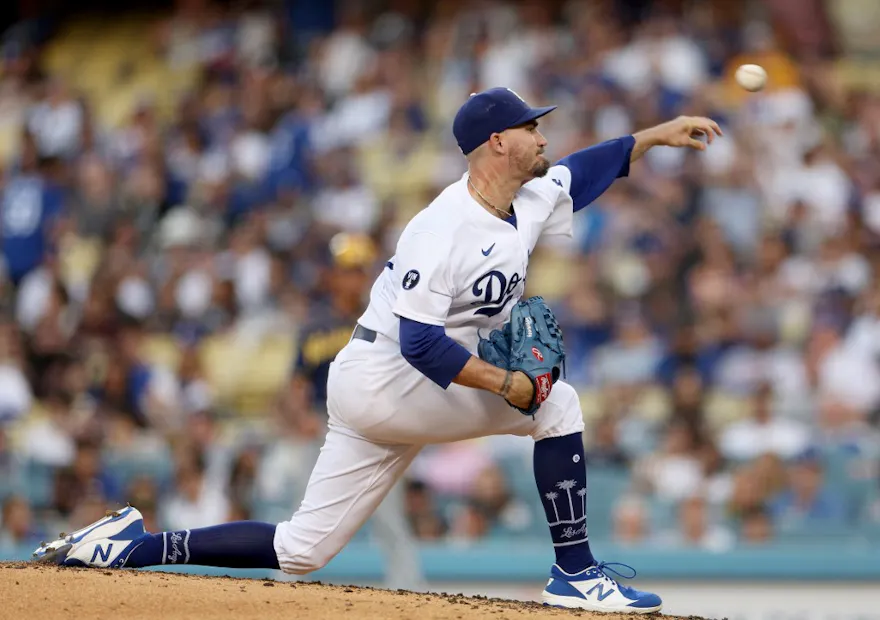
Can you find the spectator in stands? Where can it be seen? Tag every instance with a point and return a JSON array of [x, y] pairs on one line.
[[604, 450], [9, 467], [195, 503], [688, 394], [32, 203], [807, 501], [84, 480], [469, 524], [491, 495], [755, 484], [242, 478], [756, 527], [764, 432], [16, 392], [631, 521], [633, 356], [50, 439], [422, 515], [674, 472], [57, 122], [143, 492], [18, 528], [696, 528], [717, 480], [332, 320]]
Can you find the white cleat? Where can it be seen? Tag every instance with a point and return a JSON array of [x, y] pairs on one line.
[[106, 543], [592, 589]]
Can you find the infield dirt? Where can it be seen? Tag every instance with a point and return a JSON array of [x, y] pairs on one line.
[[37, 592]]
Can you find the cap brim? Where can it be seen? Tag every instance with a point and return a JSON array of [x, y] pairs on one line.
[[533, 114]]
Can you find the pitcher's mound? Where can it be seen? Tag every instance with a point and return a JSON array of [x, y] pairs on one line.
[[32, 591]]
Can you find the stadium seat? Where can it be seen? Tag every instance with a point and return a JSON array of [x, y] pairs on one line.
[[125, 467], [592, 405], [37, 484], [853, 477], [91, 54], [721, 409], [161, 349]]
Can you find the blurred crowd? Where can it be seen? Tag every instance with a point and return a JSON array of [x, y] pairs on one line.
[[163, 267]]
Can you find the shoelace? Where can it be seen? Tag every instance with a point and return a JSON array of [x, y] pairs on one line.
[[603, 566]]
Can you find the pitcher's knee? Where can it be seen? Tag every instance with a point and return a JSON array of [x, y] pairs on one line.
[[298, 555], [303, 563], [560, 414]]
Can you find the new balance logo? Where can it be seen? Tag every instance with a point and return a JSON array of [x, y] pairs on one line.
[[99, 550], [602, 593]]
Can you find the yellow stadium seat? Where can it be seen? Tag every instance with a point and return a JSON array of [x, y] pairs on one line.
[[592, 405], [222, 365], [10, 136], [721, 409], [161, 349], [549, 274], [653, 404], [265, 376]]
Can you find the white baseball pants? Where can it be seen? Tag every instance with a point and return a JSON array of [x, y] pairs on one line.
[[381, 412]]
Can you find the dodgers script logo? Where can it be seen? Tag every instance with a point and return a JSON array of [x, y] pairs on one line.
[[175, 550], [496, 290]]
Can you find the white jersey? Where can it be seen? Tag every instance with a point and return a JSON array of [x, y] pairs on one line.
[[460, 267]]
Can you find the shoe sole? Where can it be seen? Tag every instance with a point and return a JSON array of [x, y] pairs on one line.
[[58, 555], [569, 602], [55, 556]]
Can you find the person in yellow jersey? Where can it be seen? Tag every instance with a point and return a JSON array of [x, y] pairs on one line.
[[332, 320]]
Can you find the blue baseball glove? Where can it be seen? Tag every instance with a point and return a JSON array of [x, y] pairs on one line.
[[531, 342]]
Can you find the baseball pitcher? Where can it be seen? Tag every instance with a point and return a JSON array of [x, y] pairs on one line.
[[446, 350]]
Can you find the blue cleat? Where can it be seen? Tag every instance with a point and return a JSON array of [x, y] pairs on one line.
[[592, 589], [106, 543]]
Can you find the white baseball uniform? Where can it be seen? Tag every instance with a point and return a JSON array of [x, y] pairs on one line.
[[456, 266]]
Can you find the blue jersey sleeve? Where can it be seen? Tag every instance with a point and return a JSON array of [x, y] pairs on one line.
[[430, 351], [594, 169], [53, 202]]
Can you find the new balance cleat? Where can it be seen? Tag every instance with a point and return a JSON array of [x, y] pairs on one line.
[[592, 589], [106, 543]]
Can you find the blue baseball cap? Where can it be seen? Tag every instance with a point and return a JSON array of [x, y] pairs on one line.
[[491, 111]]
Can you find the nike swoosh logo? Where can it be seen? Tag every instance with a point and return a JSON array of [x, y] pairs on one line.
[[489, 251]]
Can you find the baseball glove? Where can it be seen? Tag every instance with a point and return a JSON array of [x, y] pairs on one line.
[[531, 342]]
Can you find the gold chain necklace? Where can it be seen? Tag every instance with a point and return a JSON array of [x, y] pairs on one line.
[[502, 211]]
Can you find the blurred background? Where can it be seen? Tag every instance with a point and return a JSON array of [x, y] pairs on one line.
[[195, 197]]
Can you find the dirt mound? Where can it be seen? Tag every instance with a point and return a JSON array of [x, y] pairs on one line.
[[31, 591]]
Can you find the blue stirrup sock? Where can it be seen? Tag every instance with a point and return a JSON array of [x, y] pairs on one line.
[[241, 544], [561, 476]]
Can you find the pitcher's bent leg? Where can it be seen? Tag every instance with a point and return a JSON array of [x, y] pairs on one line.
[[350, 479]]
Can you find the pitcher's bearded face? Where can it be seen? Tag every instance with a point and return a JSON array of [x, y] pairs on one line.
[[527, 151]]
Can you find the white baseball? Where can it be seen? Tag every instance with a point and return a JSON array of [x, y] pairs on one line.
[[751, 77]]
